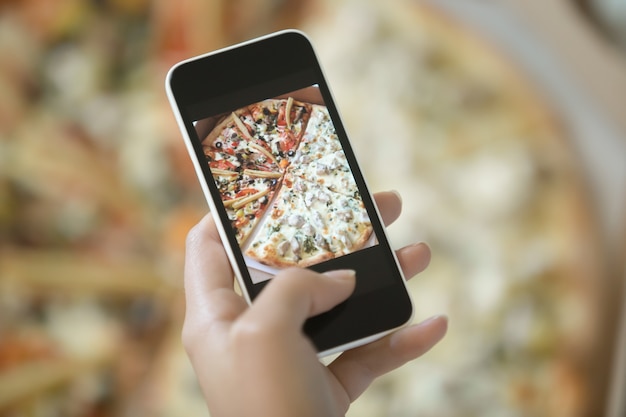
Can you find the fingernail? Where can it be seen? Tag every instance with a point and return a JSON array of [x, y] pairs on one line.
[[341, 274], [433, 318]]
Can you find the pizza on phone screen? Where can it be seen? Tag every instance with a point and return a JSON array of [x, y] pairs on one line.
[[286, 184]]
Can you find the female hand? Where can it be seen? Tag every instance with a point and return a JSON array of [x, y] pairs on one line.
[[256, 361]]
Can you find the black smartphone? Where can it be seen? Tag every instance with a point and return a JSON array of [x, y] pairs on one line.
[[283, 183]]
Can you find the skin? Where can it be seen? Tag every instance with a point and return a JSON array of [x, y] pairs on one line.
[[255, 361]]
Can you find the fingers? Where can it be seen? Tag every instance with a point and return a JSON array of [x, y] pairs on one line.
[[413, 259], [356, 369], [297, 294], [389, 205]]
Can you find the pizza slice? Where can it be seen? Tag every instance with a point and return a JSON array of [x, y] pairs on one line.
[[307, 224]]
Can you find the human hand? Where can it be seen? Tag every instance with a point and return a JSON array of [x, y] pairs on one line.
[[255, 360]]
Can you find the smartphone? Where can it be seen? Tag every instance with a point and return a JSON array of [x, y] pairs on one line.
[[283, 182]]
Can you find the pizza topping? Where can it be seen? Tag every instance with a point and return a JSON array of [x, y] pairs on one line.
[[296, 220], [241, 126], [346, 215], [321, 242], [245, 192], [309, 244], [318, 221], [262, 174], [300, 113], [295, 246], [283, 164], [323, 197], [287, 143], [299, 186], [283, 247], [288, 112], [277, 213], [301, 158], [241, 220], [308, 230], [245, 200], [309, 197], [262, 150], [337, 161], [322, 169], [345, 239], [223, 172]]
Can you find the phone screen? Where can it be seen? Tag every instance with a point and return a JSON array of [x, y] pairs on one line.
[[277, 167], [285, 183]]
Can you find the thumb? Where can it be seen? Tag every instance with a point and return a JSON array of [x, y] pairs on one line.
[[297, 294]]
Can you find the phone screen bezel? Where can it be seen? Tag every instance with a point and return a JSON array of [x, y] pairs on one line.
[[264, 68]]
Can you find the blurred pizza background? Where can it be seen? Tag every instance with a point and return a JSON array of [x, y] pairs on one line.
[[501, 123]]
